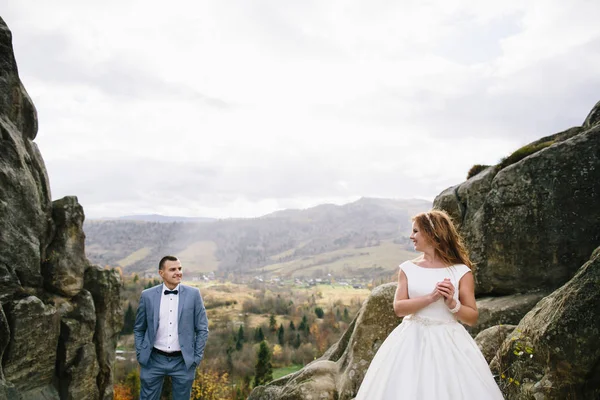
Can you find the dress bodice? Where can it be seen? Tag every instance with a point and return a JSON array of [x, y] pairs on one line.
[[422, 281]]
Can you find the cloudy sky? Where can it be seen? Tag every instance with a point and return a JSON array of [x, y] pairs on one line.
[[239, 108]]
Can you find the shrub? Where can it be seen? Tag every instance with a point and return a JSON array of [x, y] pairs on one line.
[[319, 312], [475, 169], [210, 385], [522, 153]]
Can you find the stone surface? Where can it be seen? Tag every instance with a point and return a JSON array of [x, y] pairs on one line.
[[42, 264], [339, 372], [503, 310], [105, 287], [25, 206], [530, 225], [490, 340], [553, 353], [4, 337], [78, 380], [65, 262], [8, 391], [593, 119], [30, 357], [77, 367]]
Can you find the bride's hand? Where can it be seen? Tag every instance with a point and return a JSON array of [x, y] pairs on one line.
[[435, 295], [446, 289]]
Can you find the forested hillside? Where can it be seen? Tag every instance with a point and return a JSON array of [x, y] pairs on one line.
[[321, 235]]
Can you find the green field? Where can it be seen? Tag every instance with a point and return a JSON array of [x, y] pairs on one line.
[[199, 257], [134, 257], [279, 372], [387, 256]]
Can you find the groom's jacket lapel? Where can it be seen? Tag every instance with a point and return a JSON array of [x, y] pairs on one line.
[[157, 297], [182, 294]]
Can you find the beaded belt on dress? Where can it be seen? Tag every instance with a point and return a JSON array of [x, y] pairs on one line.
[[428, 321]]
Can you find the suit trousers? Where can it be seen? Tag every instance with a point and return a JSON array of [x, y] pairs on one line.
[[154, 372]]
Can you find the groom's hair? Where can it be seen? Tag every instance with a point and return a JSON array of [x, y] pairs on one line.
[[163, 261]]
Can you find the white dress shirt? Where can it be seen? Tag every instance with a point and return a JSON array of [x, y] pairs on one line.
[[167, 336]]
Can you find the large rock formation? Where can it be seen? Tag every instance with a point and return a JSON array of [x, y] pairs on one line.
[[59, 315], [65, 263], [529, 225], [503, 310], [490, 340], [105, 287], [553, 353]]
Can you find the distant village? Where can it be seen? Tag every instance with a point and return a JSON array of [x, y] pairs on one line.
[[327, 279]]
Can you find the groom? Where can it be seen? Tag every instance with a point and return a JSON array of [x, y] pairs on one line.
[[170, 333]]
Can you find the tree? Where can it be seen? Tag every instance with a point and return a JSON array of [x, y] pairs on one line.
[[239, 341], [259, 336], [132, 381], [263, 371], [128, 321], [297, 341], [229, 360], [121, 392], [319, 312], [304, 326], [280, 335], [135, 278], [346, 315], [292, 326], [210, 385], [272, 323]]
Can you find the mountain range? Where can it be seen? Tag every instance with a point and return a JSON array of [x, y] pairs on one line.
[[367, 236]]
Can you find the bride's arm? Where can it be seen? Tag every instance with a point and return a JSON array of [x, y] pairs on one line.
[[467, 313], [403, 305]]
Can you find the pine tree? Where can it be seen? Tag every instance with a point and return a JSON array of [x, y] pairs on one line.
[[319, 312], [292, 326], [272, 323], [280, 334], [304, 327], [259, 336], [263, 371], [297, 341], [239, 340], [346, 315], [229, 359], [128, 321]]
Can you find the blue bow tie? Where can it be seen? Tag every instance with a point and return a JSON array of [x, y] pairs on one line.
[[171, 291]]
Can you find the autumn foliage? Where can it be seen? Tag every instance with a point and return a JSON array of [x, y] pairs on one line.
[[210, 385], [122, 392]]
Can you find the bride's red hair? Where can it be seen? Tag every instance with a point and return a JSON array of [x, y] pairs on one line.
[[443, 236]]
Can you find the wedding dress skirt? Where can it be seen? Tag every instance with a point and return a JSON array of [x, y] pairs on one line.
[[429, 356]]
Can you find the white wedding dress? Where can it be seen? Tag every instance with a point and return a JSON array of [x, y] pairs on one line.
[[429, 356]]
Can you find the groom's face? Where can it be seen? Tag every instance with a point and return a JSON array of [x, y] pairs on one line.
[[171, 273]]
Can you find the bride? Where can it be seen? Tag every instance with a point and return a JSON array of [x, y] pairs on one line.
[[430, 355]]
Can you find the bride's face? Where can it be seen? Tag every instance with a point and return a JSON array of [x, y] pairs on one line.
[[420, 241]]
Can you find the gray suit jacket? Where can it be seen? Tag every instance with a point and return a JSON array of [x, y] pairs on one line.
[[192, 324]]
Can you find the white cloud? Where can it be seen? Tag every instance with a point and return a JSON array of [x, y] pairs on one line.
[[240, 108]]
